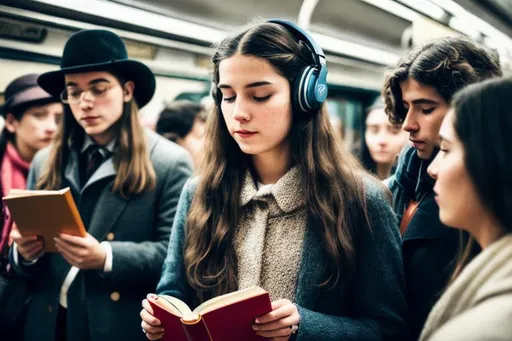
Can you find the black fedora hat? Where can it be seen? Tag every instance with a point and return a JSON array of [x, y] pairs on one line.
[[100, 50], [23, 92]]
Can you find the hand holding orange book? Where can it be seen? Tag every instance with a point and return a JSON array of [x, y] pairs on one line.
[[225, 318], [45, 213]]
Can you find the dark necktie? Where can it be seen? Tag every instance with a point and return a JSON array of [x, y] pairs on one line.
[[95, 161]]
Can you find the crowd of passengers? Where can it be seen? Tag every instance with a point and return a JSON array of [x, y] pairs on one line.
[[258, 191]]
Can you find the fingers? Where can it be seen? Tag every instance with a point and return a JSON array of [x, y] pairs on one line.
[[148, 317], [279, 324], [279, 334], [32, 253], [280, 309], [27, 241], [148, 307], [30, 250], [155, 330], [71, 240], [150, 324], [70, 258], [276, 324]]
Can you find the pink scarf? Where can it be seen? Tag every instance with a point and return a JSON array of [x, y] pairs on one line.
[[14, 175]]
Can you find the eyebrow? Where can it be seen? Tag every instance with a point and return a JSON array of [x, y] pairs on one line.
[[94, 81], [423, 101], [252, 85]]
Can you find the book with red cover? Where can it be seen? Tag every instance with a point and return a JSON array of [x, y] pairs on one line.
[[225, 318]]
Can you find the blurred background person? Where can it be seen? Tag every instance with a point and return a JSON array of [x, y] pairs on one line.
[[383, 141], [184, 122], [32, 117], [474, 193]]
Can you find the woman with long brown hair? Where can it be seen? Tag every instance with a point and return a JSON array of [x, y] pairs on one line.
[[474, 191], [280, 206], [126, 183]]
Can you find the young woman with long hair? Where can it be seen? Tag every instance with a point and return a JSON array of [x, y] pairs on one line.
[[279, 205], [474, 192]]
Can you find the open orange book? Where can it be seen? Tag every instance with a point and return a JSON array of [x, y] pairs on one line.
[[45, 214], [224, 318]]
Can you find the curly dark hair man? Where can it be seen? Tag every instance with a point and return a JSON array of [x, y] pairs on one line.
[[417, 94]]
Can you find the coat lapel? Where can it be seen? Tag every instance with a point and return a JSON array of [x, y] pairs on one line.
[[311, 269], [108, 209], [104, 171], [110, 205]]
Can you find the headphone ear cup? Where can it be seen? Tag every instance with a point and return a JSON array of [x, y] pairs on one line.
[[302, 84]]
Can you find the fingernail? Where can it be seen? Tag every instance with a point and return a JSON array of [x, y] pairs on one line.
[[257, 320], [254, 327], [155, 297]]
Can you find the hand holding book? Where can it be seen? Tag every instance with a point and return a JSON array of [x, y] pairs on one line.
[[243, 315], [280, 323], [29, 247], [85, 253], [45, 214]]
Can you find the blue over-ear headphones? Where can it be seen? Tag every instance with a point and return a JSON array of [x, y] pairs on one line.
[[310, 85]]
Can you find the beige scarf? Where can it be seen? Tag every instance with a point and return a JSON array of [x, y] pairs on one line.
[[489, 275], [270, 234]]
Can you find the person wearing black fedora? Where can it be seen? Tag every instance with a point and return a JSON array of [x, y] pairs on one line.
[[126, 182], [32, 118]]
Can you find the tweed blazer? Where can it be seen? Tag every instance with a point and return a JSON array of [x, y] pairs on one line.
[[373, 308], [106, 306]]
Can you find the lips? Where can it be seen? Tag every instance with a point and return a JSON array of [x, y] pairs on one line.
[[418, 144], [90, 118], [245, 133]]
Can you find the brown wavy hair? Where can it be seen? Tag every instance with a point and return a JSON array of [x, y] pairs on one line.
[[135, 172], [333, 187], [447, 64]]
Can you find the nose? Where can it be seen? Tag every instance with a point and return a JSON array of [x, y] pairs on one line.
[[241, 112], [86, 100], [382, 138], [433, 169], [51, 126], [410, 123]]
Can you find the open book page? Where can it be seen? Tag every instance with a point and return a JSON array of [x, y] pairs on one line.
[[227, 299], [173, 305]]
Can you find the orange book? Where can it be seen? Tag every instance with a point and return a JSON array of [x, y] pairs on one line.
[[45, 214], [224, 318]]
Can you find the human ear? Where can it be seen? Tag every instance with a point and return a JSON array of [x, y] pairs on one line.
[[11, 123], [128, 89]]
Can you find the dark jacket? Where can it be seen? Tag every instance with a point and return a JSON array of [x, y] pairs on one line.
[[429, 247], [105, 306], [373, 308]]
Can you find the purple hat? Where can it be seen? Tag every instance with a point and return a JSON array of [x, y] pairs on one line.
[[24, 91]]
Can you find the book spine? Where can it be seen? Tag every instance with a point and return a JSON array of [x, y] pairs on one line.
[[197, 331], [76, 214]]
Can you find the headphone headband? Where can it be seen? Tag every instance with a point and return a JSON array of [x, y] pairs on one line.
[[305, 37]]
